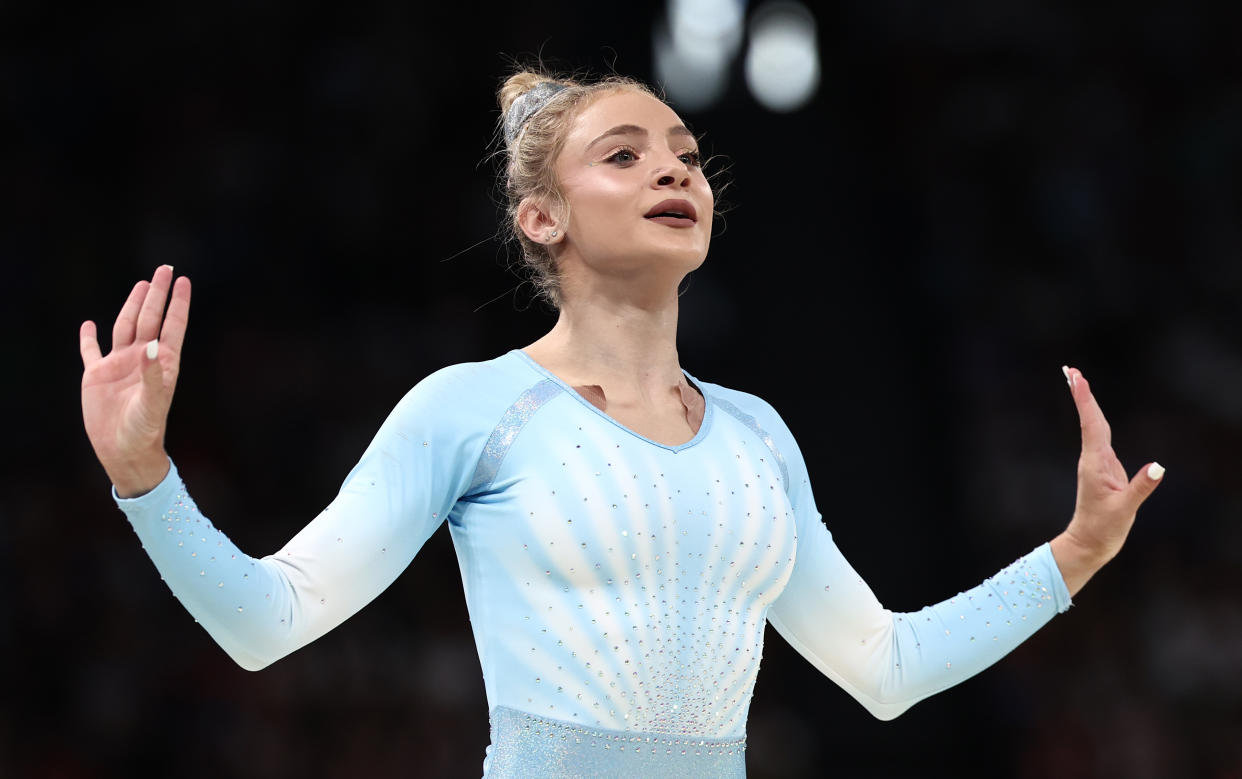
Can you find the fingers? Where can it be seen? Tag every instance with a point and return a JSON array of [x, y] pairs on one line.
[[127, 320], [88, 344], [1145, 482], [152, 312], [1096, 435], [1097, 438], [173, 333]]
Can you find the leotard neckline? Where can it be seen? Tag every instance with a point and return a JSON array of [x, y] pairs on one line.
[[699, 436]]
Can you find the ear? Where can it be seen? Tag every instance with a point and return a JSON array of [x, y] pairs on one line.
[[538, 222]]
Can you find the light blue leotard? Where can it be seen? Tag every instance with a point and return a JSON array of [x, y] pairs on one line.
[[617, 587]]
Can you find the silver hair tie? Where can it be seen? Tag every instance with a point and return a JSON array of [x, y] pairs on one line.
[[526, 105]]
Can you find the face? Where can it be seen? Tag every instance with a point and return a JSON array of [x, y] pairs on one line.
[[639, 205]]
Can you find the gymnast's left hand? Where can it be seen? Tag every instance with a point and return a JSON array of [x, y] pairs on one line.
[[1108, 500]]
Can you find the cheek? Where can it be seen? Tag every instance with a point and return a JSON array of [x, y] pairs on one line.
[[709, 196], [601, 204], [706, 188]]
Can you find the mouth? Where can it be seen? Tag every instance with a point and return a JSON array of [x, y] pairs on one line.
[[673, 213]]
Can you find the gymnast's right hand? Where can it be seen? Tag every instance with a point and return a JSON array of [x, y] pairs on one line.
[[126, 395]]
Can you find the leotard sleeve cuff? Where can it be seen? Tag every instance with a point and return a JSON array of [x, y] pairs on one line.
[[1060, 591]]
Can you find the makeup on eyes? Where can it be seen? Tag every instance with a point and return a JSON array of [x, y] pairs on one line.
[[694, 154]]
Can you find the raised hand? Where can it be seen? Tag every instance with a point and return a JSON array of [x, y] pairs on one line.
[[1108, 499], [126, 395]]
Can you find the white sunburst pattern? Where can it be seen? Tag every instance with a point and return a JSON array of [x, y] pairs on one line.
[[634, 588], [744, 569]]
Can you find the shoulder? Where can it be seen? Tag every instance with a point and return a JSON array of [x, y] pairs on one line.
[[757, 414], [477, 377], [763, 420], [469, 394], [743, 404]]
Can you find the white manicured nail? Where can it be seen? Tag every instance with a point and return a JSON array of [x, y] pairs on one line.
[[153, 348], [1155, 471], [1065, 370]]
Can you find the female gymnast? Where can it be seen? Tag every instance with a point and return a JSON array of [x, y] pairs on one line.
[[624, 530]]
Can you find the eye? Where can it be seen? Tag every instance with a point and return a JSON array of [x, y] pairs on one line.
[[692, 158], [622, 156]]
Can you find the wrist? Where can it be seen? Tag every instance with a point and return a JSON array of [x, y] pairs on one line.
[[138, 476], [1077, 561]]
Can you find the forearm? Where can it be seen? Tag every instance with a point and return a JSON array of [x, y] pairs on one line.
[[259, 610], [889, 661], [242, 602], [942, 645]]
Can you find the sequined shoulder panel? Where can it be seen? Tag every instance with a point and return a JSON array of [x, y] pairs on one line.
[[506, 432], [753, 425]]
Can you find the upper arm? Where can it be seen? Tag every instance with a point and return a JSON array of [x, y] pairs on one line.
[[405, 484]]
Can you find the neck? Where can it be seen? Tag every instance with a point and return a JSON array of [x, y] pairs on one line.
[[626, 344]]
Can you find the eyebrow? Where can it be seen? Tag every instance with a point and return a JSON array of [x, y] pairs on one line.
[[633, 129]]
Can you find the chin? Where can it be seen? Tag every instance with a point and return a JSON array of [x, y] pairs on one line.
[[677, 260], [696, 262], [690, 259], [662, 258], [690, 250]]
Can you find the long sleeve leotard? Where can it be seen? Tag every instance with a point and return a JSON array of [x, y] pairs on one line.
[[618, 588]]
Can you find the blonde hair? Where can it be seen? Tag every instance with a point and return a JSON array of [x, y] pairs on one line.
[[530, 158]]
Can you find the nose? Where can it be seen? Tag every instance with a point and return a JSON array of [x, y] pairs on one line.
[[676, 174], [672, 178]]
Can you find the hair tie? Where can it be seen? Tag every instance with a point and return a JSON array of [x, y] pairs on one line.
[[526, 105]]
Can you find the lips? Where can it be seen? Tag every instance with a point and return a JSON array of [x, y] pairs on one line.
[[674, 213]]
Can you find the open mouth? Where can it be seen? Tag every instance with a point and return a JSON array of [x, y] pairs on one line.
[[674, 213]]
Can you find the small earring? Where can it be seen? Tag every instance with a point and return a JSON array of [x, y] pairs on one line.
[[552, 234]]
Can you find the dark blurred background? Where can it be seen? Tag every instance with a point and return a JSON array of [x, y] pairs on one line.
[[977, 193]]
